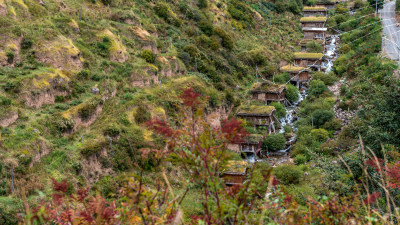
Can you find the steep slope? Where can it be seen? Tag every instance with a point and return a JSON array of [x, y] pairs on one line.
[[80, 78]]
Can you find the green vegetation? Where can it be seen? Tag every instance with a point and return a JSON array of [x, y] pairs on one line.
[[314, 46], [292, 93], [288, 174], [274, 142]]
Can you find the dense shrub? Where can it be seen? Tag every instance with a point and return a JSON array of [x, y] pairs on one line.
[[191, 49], [142, 115], [317, 88], [26, 44], [313, 46], [320, 117], [104, 46], [106, 2], [112, 130], [274, 142], [206, 26], [300, 159], [280, 109], [63, 125], [292, 93], [281, 78], [226, 39], [203, 4], [165, 12], [5, 101], [83, 74], [88, 109], [148, 55], [288, 174], [240, 11], [320, 135], [327, 78], [333, 125]]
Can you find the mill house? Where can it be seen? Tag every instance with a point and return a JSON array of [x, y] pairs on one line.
[[249, 145], [298, 74], [268, 92], [314, 11], [328, 4], [313, 21], [308, 60], [234, 173], [260, 116]]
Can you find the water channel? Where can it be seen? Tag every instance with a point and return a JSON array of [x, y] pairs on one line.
[[282, 156]]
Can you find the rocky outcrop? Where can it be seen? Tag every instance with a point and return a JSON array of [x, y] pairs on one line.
[[92, 168], [60, 53], [44, 88], [9, 119], [344, 115]]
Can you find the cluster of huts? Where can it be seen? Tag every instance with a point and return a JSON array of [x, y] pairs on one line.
[[261, 116], [313, 25]]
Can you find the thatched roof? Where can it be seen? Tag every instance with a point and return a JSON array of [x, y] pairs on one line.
[[313, 19], [292, 69], [256, 110], [307, 55], [253, 139], [326, 2], [236, 167], [267, 87], [314, 9]]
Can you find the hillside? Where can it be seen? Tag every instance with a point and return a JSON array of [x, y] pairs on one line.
[[80, 78], [196, 112]]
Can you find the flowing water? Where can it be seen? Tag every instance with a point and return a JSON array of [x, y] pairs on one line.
[[282, 156]]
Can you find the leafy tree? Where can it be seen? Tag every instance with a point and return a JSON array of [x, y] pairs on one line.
[[320, 117], [274, 142], [292, 93], [373, 3], [280, 109], [317, 88], [313, 46], [288, 174]]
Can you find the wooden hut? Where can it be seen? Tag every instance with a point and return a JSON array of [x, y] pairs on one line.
[[308, 60], [297, 74], [314, 33], [313, 21], [268, 92], [234, 173], [303, 44], [260, 115], [328, 4], [314, 11], [250, 144]]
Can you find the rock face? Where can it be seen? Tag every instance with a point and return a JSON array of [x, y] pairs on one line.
[[3, 9], [44, 88], [9, 119], [60, 53]]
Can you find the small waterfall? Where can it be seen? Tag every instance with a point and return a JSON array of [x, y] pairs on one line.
[[281, 156], [330, 53]]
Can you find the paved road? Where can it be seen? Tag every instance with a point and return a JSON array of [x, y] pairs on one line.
[[391, 32]]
